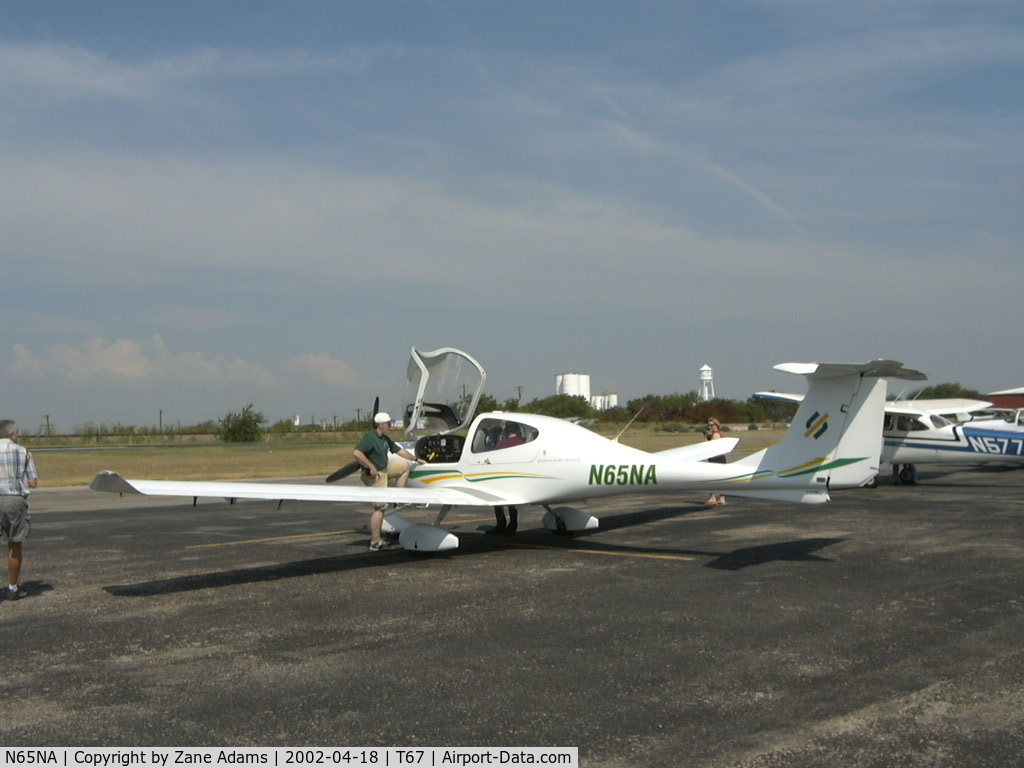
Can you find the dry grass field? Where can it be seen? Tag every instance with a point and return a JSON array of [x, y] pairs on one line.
[[60, 467]]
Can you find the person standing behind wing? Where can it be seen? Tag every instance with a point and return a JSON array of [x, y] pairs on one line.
[[511, 434], [715, 433]]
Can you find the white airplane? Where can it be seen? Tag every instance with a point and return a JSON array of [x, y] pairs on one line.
[[927, 438], [922, 432], [832, 443]]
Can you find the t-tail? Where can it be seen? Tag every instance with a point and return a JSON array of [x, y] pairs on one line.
[[835, 439]]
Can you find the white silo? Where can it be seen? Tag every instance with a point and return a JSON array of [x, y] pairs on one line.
[[707, 384], [604, 402], [573, 384]]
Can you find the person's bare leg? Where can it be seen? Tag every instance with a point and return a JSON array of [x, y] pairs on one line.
[[13, 562]]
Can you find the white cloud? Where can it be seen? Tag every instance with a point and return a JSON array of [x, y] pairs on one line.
[[323, 369], [26, 366], [102, 360], [131, 363]]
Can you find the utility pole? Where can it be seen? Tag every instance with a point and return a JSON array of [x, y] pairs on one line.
[[519, 392]]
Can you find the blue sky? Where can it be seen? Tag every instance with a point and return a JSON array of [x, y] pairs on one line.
[[206, 204]]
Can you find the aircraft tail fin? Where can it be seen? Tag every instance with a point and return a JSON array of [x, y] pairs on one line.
[[835, 439]]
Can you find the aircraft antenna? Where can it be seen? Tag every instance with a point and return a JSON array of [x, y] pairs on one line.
[[628, 424]]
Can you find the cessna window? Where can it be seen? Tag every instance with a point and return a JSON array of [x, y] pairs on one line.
[[498, 434], [909, 424]]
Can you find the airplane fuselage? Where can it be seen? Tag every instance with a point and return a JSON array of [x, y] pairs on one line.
[[553, 461], [967, 443], [557, 462]]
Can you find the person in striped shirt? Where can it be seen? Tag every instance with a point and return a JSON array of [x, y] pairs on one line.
[[18, 477]]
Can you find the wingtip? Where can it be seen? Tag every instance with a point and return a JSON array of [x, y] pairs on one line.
[[111, 482]]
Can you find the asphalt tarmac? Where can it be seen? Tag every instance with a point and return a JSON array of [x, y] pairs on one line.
[[882, 629]]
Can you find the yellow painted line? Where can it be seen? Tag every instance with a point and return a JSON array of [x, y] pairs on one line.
[[274, 538], [639, 555]]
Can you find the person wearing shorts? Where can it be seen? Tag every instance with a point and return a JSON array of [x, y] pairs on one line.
[[18, 477], [374, 454]]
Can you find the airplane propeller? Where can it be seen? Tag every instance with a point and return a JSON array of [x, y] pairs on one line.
[[353, 466]]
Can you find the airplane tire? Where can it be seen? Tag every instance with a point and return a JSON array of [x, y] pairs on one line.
[[907, 475]]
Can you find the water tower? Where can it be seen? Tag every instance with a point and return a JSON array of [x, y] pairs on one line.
[[707, 384]]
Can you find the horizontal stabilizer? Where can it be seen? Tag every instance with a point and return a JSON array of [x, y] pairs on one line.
[[700, 451], [877, 369]]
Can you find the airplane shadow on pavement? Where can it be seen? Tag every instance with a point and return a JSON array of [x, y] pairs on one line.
[[801, 550]]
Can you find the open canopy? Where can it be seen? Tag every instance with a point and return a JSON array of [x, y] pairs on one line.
[[442, 390]]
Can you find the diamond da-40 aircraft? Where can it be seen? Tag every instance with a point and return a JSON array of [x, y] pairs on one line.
[[833, 442]]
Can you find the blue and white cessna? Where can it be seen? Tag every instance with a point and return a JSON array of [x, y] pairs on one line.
[[915, 436], [833, 443], [940, 432]]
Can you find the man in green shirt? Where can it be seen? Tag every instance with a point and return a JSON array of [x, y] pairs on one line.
[[373, 453]]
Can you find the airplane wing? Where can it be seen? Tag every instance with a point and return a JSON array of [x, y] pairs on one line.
[[944, 406], [785, 397], [111, 482]]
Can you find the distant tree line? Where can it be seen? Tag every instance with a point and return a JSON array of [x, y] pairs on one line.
[[674, 411], [654, 409], [944, 390], [92, 429]]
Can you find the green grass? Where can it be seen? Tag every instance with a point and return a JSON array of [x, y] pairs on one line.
[[77, 466]]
